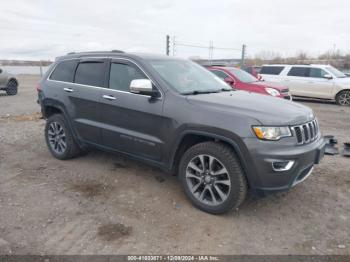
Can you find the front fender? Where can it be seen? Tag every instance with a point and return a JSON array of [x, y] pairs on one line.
[[230, 138]]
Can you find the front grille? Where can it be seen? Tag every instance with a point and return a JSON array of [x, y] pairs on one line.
[[306, 133], [285, 90]]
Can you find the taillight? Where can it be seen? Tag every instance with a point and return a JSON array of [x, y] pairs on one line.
[[38, 87]]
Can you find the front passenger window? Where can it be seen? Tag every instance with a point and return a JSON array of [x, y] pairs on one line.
[[121, 76]]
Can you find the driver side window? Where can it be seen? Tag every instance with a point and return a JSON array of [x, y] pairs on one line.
[[220, 74], [121, 75]]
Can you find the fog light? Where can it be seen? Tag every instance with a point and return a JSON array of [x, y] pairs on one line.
[[284, 165]]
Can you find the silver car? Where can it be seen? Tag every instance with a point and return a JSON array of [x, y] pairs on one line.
[[8, 83]]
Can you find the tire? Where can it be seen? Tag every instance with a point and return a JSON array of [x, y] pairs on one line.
[[194, 178], [343, 98], [59, 138], [12, 87]]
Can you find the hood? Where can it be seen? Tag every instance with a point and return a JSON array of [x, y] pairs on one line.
[[267, 110], [270, 84]]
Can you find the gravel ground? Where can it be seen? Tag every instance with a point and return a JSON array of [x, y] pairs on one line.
[[105, 204]]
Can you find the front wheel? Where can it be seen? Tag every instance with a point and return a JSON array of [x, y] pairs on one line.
[[343, 98], [212, 177]]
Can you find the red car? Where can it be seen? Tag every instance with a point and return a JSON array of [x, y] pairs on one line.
[[242, 80]]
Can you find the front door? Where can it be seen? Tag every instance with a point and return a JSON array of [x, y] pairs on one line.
[[131, 122], [318, 86]]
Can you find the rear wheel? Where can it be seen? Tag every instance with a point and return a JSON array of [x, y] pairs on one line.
[[12, 87], [59, 138], [343, 98], [212, 177]]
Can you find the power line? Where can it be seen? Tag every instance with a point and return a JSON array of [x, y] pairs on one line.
[[206, 47]]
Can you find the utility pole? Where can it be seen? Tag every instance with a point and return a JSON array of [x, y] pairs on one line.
[[167, 46], [211, 49], [243, 55], [174, 46]]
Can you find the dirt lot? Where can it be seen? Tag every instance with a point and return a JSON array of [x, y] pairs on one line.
[[106, 204]]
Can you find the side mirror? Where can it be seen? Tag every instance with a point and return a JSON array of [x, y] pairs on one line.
[[328, 76], [142, 87], [229, 81]]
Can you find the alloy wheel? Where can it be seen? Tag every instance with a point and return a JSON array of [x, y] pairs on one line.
[[344, 99], [208, 180], [57, 138]]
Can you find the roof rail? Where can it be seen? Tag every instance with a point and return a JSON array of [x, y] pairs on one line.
[[87, 52]]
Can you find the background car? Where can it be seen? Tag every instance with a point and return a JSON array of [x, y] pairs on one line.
[[8, 83], [311, 81], [239, 79]]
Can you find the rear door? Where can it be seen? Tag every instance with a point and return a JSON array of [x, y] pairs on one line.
[[132, 123], [84, 96], [297, 80]]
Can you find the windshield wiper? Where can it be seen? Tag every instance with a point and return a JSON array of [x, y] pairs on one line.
[[197, 92]]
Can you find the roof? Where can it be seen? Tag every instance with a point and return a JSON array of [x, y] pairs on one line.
[[114, 53], [299, 65]]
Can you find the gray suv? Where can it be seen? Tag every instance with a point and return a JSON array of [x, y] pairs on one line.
[[176, 115], [8, 83]]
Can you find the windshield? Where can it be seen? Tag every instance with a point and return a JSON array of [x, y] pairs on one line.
[[242, 76], [187, 77], [335, 72]]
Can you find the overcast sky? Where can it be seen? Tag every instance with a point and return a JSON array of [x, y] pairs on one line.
[[44, 29]]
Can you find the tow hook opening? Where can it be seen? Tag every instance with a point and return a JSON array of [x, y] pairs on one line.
[[282, 165]]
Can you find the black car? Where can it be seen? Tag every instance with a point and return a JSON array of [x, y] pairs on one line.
[[174, 114]]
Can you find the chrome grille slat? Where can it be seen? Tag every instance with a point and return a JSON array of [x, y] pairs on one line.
[[306, 133]]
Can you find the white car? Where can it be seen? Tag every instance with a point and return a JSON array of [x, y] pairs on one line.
[[310, 81]]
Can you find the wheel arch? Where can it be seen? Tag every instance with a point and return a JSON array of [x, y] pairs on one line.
[[12, 78], [340, 91], [190, 138], [50, 107]]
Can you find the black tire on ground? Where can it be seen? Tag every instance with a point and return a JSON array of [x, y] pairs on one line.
[[343, 98], [71, 148], [226, 158], [12, 87]]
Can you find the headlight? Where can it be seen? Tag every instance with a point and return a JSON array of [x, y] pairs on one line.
[[271, 133], [272, 91]]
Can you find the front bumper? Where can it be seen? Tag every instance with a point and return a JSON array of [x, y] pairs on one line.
[[264, 178]]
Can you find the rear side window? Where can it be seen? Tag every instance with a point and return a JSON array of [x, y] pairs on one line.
[[64, 71], [299, 71], [121, 76], [271, 70], [90, 73]]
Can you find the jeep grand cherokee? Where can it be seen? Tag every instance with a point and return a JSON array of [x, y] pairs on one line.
[[176, 115]]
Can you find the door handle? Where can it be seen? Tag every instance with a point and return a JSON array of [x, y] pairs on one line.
[[108, 97], [68, 89]]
